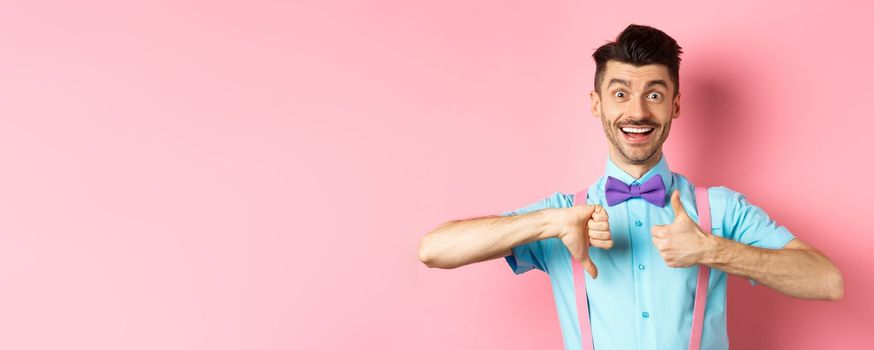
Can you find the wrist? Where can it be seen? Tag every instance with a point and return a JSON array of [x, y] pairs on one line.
[[714, 250], [555, 221]]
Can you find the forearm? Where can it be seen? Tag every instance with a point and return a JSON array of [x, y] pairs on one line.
[[461, 242], [798, 272]]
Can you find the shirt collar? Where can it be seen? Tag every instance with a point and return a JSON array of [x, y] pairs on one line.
[[661, 168]]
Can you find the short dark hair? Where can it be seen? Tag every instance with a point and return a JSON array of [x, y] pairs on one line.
[[640, 45]]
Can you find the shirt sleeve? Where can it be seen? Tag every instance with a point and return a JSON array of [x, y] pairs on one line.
[[533, 255], [749, 224], [746, 223]]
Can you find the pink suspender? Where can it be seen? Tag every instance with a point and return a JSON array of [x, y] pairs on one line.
[[580, 287], [703, 201], [700, 291]]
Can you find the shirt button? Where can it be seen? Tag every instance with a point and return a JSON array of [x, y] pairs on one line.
[[638, 223], [645, 314], [641, 267]]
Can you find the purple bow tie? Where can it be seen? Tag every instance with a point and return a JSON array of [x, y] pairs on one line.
[[653, 191]]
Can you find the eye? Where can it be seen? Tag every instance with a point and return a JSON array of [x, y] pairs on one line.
[[619, 94], [655, 95]]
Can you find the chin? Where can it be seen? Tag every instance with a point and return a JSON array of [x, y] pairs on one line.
[[637, 156]]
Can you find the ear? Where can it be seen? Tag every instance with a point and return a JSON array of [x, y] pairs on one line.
[[596, 103], [676, 106]]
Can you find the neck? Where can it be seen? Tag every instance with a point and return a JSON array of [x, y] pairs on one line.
[[635, 169]]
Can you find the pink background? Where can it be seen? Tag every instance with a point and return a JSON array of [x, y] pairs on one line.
[[256, 175]]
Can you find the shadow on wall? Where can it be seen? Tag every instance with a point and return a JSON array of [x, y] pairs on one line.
[[726, 143], [715, 112]]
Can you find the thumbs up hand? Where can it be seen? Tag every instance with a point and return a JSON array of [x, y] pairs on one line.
[[682, 243]]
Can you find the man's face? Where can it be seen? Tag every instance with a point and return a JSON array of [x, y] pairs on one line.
[[636, 106]]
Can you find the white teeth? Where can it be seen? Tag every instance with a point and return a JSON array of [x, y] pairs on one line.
[[637, 130]]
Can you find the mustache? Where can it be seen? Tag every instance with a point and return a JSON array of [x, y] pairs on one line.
[[637, 123]]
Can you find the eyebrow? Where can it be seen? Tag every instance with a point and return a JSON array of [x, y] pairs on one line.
[[648, 84], [618, 81], [657, 82]]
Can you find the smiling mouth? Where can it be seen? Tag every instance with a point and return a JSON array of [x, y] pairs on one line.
[[637, 134], [631, 130]]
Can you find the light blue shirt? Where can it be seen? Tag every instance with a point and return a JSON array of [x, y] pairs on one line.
[[638, 302]]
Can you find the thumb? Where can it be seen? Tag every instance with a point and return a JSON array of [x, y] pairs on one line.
[[582, 256], [679, 211], [590, 267]]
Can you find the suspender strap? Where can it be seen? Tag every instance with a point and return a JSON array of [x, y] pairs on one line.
[[703, 202], [579, 274], [580, 288]]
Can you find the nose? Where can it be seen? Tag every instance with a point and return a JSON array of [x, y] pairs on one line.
[[637, 108]]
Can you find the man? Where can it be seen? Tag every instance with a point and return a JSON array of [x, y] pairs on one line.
[[645, 250]]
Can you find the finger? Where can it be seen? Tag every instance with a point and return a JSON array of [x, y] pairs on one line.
[[599, 234], [679, 211], [590, 267], [659, 243], [602, 243], [659, 231], [600, 214], [598, 225]]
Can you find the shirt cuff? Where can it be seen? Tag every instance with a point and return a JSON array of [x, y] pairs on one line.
[[522, 259]]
